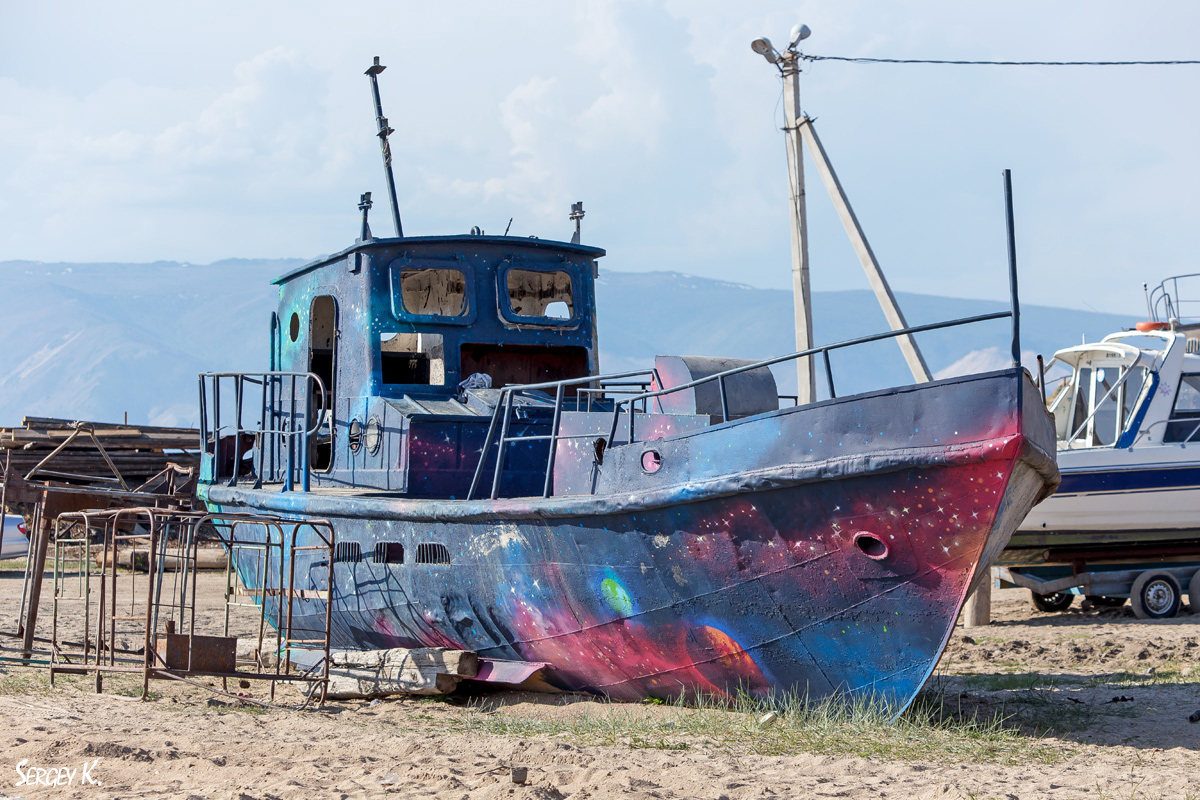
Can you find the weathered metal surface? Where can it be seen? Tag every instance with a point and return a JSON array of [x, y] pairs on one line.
[[741, 562]]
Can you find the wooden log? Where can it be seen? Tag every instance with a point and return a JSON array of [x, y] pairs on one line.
[[377, 673]]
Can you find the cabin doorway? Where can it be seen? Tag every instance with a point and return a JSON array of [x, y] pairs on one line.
[[322, 362]]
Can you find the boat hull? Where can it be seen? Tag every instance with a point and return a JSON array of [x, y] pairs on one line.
[[1114, 504], [830, 573]]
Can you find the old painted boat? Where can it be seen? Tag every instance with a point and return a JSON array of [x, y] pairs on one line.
[[1127, 419], [656, 533]]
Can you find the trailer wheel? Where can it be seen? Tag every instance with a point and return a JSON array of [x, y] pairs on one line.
[[1106, 602], [1155, 595], [1058, 601], [1194, 592]]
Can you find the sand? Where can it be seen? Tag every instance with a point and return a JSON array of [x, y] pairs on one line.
[[1114, 692]]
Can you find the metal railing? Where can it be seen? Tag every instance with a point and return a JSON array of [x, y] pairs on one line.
[[504, 403], [1164, 302], [627, 403], [292, 408]]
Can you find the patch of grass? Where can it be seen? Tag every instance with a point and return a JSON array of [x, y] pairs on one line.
[[24, 681], [1009, 681], [860, 726], [12, 565]]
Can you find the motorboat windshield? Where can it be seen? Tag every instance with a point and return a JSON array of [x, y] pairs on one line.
[[1097, 404]]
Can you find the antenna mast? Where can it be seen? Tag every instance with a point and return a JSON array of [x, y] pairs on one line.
[[384, 132]]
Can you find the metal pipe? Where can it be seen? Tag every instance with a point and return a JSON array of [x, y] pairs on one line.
[[384, 132], [724, 402], [829, 375], [1042, 377], [508, 396], [1012, 269], [558, 401], [487, 444]]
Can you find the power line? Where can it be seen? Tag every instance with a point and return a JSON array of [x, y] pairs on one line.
[[807, 57]]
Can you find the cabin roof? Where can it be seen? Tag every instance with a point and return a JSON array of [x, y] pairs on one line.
[[523, 242]]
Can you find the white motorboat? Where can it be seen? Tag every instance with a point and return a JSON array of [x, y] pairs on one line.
[[1128, 425]]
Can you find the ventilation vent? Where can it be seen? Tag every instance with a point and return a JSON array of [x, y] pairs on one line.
[[432, 554], [1193, 345], [389, 553], [350, 552]]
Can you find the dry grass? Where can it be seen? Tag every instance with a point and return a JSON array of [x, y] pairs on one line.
[[861, 726]]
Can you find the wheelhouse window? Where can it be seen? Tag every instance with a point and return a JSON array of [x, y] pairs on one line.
[[1184, 425], [412, 359], [430, 292], [543, 294]]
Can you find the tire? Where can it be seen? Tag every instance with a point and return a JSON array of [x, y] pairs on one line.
[[1155, 595], [1194, 592], [1106, 602], [1059, 601]]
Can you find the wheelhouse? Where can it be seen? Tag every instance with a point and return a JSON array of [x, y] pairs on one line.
[[393, 327]]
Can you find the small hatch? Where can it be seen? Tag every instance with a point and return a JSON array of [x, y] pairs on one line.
[[432, 553], [389, 553]]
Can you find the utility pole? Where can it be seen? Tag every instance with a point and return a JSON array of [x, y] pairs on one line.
[[799, 129], [789, 65]]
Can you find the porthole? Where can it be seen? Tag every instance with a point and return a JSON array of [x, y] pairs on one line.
[[294, 327], [354, 437], [374, 435], [871, 545], [651, 461]]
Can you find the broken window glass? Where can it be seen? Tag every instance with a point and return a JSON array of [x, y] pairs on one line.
[[540, 294], [433, 292]]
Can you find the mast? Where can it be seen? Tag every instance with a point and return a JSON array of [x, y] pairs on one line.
[[384, 132]]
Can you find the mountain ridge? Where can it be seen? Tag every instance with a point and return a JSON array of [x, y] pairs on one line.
[[99, 340]]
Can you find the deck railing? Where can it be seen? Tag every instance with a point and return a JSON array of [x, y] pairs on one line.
[[1165, 302], [292, 407], [626, 402]]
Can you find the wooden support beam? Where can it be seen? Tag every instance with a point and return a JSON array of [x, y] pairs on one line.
[[978, 611], [883, 292]]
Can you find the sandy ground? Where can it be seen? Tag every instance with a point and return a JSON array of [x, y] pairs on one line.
[[1106, 695]]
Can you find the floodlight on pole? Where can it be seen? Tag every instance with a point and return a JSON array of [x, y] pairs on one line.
[[799, 33], [762, 46]]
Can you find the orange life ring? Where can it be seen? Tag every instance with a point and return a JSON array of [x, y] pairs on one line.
[[1146, 327]]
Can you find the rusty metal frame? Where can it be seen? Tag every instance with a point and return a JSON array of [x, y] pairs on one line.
[[174, 535]]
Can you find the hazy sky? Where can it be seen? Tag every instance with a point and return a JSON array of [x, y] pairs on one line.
[[187, 131]]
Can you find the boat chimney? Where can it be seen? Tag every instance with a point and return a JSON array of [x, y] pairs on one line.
[[384, 132], [364, 205]]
